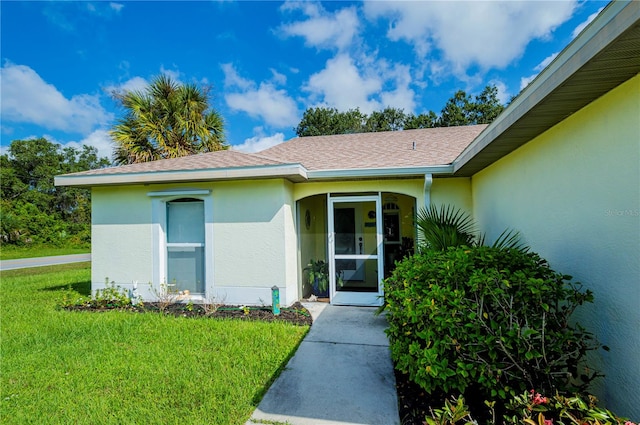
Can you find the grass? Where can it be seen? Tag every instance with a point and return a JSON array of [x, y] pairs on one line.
[[12, 252], [66, 367]]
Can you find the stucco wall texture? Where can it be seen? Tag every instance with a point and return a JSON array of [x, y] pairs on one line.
[[121, 235], [574, 194], [254, 245]]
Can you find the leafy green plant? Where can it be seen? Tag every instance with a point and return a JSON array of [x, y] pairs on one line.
[[111, 296], [488, 320], [532, 408], [318, 271], [449, 226], [450, 413]]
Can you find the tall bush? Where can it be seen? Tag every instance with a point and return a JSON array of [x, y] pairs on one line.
[[488, 320]]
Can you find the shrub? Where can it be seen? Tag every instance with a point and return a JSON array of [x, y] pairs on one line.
[[486, 320], [532, 408], [111, 296]]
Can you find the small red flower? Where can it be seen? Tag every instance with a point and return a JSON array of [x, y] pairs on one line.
[[536, 398]]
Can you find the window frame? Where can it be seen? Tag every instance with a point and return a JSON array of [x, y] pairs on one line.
[[159, 202]]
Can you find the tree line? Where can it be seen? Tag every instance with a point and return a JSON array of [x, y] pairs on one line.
[[32, 209], [461, 109]]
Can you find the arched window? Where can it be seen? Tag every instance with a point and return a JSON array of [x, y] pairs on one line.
[[186, 245]]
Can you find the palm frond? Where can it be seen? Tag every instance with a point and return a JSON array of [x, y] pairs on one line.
[[445, 226], [510, 239]]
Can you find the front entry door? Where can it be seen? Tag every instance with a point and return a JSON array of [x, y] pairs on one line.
[[355, 250]]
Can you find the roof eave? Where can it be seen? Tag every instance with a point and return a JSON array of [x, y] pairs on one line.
[[500, 138], [292, 172]]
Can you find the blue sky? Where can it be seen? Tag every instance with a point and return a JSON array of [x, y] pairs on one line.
[[266, 61]]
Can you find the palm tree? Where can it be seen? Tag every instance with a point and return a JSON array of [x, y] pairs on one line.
[[166, 120]]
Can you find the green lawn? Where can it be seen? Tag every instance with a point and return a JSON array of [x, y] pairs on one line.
[[11, 252], [68, 367]]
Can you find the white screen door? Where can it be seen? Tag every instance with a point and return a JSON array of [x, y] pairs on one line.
[[355, 250]]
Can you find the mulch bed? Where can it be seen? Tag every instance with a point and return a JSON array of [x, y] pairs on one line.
[[413, 402], [295, 314]]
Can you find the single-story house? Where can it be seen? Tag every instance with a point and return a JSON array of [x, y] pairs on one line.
[[561, 164]]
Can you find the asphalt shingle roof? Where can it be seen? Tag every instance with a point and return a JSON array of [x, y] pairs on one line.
[[388, 149]]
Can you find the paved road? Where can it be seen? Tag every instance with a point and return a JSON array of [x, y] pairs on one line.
[[24, 263]]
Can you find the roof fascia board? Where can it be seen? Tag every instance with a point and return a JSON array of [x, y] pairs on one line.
[[179, 192], [293, 172], [379, 172], [611, 23]]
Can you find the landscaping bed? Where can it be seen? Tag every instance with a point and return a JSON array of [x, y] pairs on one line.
[[296, 314], [413, 401]]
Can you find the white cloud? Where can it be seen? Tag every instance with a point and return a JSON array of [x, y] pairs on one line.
[[503, 93], [99, 139], [54, 14], [264, 101], [27, 98], [132, 84], [171, 73], [402, 96], [278, 78], [233, 79], [465, 34], [259, 142], [583, 25], [116, 6], [545, 62], [366, 83], [322, 29], [525, 81], [267, 102], [341, 85]]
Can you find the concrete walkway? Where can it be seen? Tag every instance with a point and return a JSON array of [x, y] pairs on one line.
[[24, 263], [341, 374]]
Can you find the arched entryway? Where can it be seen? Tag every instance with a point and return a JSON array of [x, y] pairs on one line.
[[348, 242]]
